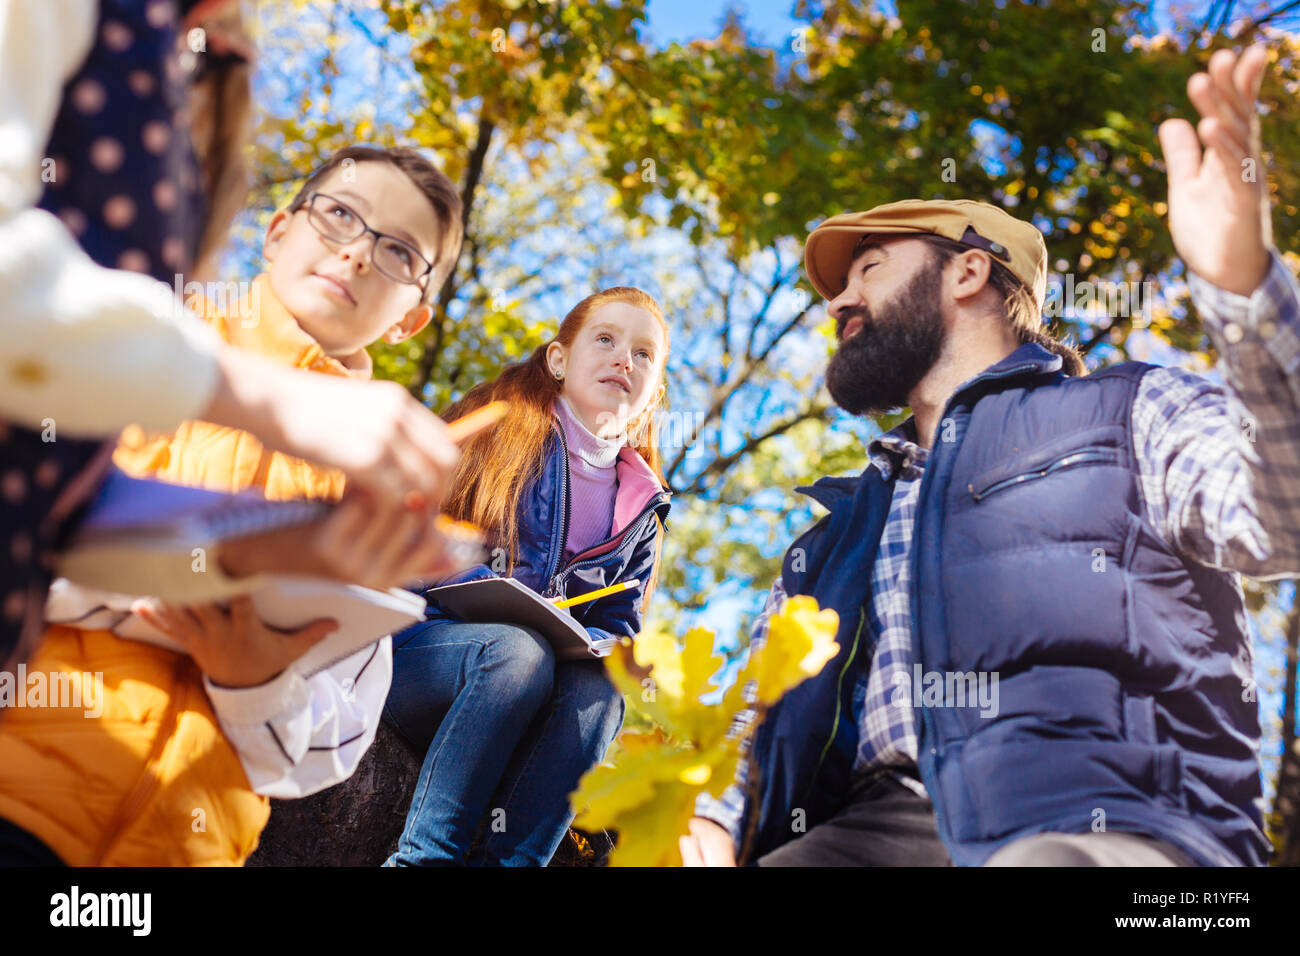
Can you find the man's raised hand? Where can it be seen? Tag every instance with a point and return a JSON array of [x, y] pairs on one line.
[[1218, 199]]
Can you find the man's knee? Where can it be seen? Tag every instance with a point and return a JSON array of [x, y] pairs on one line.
[[1042, 849], [1111, 848]]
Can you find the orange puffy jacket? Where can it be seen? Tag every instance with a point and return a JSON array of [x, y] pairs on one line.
[[152, 780]]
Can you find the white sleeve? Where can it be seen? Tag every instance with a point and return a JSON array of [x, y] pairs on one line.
[[296, 736], [94, 349]]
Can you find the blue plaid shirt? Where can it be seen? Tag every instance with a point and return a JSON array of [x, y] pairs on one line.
[[1220, 478]]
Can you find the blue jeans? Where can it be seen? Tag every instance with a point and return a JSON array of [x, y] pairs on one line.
[[507, 732]]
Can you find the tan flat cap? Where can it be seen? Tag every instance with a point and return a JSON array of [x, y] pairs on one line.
[[1017, 244]]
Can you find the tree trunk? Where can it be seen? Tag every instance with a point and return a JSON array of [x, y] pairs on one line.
[[357, 822]]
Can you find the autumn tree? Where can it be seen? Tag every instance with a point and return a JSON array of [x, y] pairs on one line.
[[588, 156]]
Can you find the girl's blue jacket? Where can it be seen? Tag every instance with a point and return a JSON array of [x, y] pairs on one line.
[[628, 552]]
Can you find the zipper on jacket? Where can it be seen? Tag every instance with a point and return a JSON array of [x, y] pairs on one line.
[[1066, 461], [561, 574], [564, 505], [839, 697]]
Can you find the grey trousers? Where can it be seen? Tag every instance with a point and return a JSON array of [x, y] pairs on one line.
[[1109, 848], [883, 823]]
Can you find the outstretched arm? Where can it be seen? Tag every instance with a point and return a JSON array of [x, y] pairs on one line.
[[1224, 461]]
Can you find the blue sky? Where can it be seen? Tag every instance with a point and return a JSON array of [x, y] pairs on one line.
[[770, 22], [684, 20]]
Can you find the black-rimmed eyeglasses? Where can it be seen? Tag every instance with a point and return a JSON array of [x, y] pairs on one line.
[[339, 222]]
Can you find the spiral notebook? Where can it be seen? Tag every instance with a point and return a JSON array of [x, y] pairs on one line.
[[283, 601], [505, 600], [144, 537], [144, 508], [149, 537]]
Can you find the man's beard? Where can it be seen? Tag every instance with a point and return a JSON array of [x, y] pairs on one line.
[[895, 347]]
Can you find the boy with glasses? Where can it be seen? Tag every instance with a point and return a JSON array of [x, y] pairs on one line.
[[349, 253], [351, 261], [120, 171]]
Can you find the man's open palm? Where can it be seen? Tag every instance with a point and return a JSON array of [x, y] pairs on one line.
[[1218, 199]]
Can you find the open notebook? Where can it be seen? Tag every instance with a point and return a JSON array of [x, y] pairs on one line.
[[144, 537], [507, 601], [283, 601]]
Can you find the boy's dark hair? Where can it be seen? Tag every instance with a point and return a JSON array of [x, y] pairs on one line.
[[1017, 304], [430, 180]]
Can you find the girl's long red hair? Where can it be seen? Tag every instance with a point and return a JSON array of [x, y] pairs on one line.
[[497, 464]]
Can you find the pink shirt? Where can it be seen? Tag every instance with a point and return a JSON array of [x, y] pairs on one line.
[[593, 482]]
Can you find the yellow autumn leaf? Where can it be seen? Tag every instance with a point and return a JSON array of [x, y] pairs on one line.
[[634, 742], [649, 834], [800, 640], [722, 761], [604, 793], [696, 775], [698, 663], [635, 681], [647, 795], [701, 724], [659, 653]]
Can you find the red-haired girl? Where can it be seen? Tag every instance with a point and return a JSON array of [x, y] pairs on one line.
[[569, 485]]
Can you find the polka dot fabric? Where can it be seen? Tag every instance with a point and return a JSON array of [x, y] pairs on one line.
[[124, 183], [127, 187]]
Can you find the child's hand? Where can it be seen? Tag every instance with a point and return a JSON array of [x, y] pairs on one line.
[[374, 432], [234, 648], [376, 544]]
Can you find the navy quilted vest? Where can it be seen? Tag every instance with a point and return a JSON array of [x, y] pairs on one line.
[[1122, 670]]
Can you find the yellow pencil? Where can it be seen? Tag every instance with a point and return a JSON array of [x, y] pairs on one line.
[[477, 420], [459, 431], [592, 595]]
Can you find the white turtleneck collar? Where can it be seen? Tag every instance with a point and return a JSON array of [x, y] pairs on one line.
[[595, 451]]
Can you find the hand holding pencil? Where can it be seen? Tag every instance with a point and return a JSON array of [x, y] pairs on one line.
[[462, 540], [366, 539], [459, 432]]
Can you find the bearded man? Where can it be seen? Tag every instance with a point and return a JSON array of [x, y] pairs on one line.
[[1044, 656]]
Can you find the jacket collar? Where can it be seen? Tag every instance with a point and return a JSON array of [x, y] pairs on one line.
[[262, 324], [638, 485], [897, 447], [1028, 360]]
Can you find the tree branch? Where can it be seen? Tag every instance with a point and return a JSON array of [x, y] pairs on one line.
[[722, 464], [473, 176], [1271, 15], [723, 394], [779, 279]]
